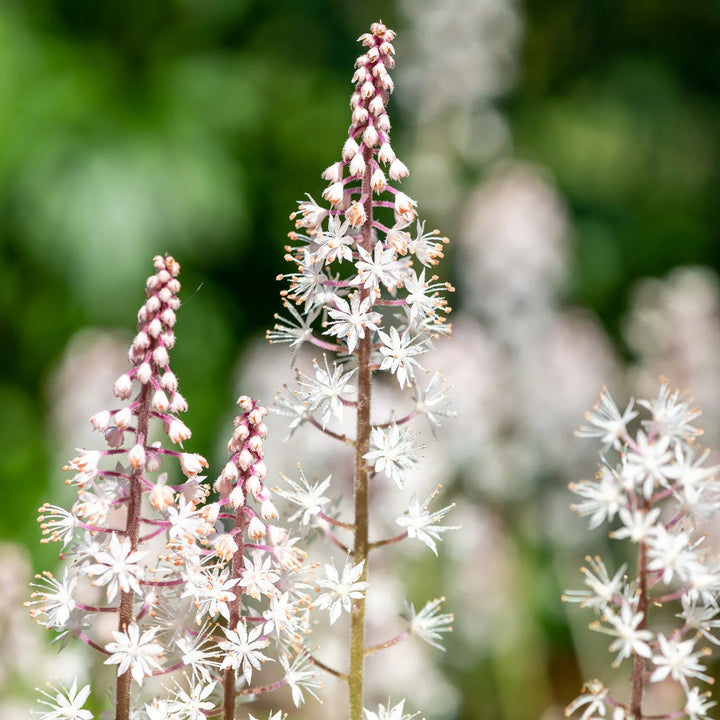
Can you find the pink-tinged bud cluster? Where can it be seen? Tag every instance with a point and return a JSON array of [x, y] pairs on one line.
[[130, 556]]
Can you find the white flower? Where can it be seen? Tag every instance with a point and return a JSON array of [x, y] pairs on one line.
[[422, 524], [630, 639], [300, 676], [211, 591], [383, 713], [434, 400], [326, 390], [55, 599], [672, 416], [678, 660], [243, 649], [603, 589], [697, 705], [191, 701], [66, 703], [200, 653], [392, 452], [134, 652], [637, 524], [398, 351], [351, 320], [380, 267], [671, 554], [606, 422], [594, 697], [429, 622], [649, 462], [604, 496], [117, 567], [259, 578], [341, 591], [309, 498]]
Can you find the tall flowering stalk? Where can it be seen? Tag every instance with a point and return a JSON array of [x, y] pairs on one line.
[[198, 590], [655, 488], [362, 293]]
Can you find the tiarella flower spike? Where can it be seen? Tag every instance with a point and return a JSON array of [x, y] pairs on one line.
[[360, 291], [656, 493], [134, 553]]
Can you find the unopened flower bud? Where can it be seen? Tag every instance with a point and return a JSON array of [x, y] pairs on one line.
[[160, 356], [356, 215], [333, 173], [376, 105], [168, 317], [259, 469], [192, 463], [236, 497], [225, 547], [155, 327], [123, 418], [178, 403], [245, 459], [144, 373], [357, 165], [178, 431], [334, 193], [100, 421], [152, 305], [256, 528], [378, 182], [350, 150], [161, 496], [268, 511], [370, 136], [114, 437], [169, 381], [160, 401], [398, 170], [122, 387], [136, 457], [255, 444], [386, 154]]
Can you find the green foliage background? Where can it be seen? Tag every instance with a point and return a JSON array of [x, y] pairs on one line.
[[193, 126]]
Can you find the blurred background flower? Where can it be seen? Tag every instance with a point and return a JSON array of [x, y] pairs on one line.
[[569, 149]]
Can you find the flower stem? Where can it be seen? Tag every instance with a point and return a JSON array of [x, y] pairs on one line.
[[638, 660], [362, 476], [132, 529]]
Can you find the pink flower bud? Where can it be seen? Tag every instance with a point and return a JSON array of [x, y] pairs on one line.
[[161, 496], [144, 373], [136, 457], [100, 421], [333, 173], [178, 431], [386, 154], [160, 356], [114, 437], [192, 463], [256, 528], [225, 547], [122, 387], [398, 170], [349, 151], [268, 511], [357, 165], [123, 418], [178, 403], [370, 136], [255, 444], [259, 469], [152, 305], [245, 459], [236, 497], [356, 215], [160, 401], [334, 193], [169, 381], [376, 105], [155, 327]]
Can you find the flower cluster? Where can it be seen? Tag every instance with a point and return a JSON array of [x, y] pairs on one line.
[[361, 291], [655, 493], [195, 586]]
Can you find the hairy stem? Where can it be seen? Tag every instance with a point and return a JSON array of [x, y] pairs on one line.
[[132, 530], [362, 477], [639, 661], [229, 691]]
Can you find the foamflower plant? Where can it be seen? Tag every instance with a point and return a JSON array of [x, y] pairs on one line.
[[362, 292], [654, 490], [203, 593]]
